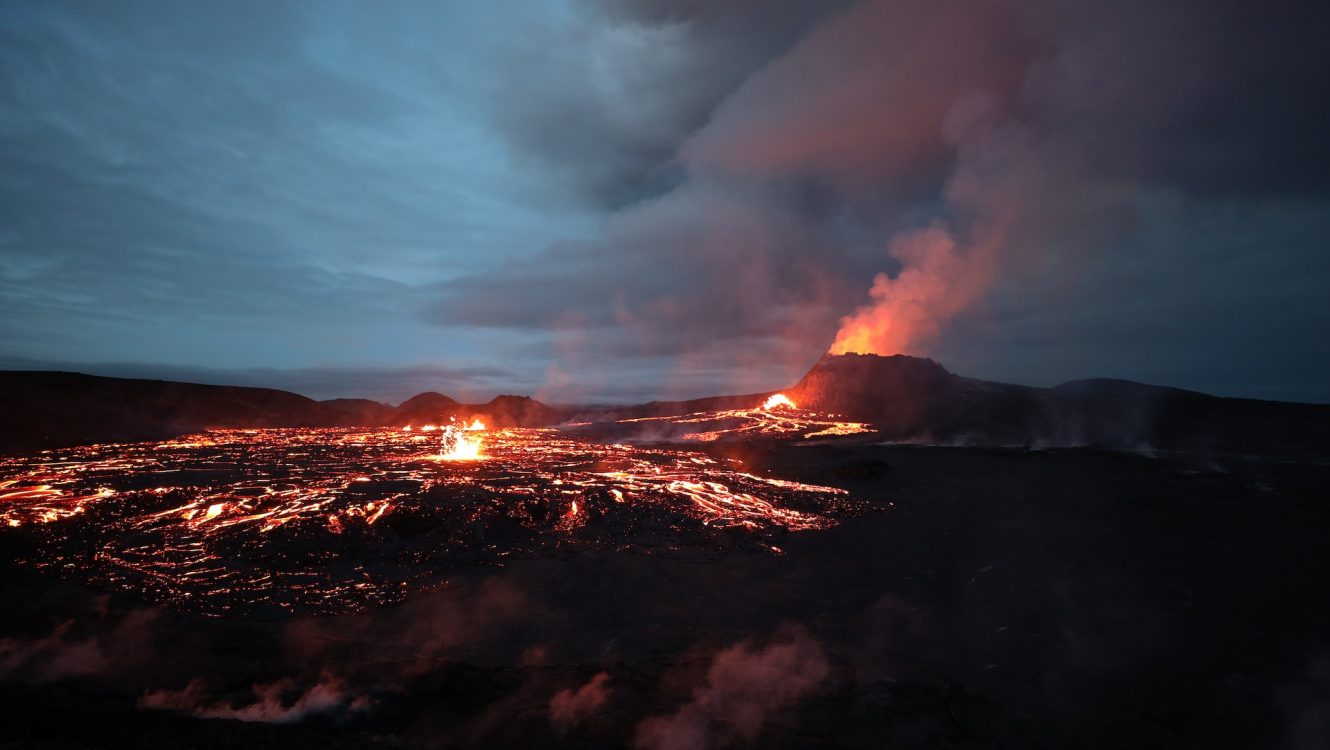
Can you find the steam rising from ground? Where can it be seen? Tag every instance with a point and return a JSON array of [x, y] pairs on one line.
[[745, 686], [335, 665], [271, 702], [570, 707], [87, 646]]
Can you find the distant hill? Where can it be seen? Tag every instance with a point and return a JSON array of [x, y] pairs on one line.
[[426, 408], [53, 409], [362, 411], [906, 399], [48, 409]]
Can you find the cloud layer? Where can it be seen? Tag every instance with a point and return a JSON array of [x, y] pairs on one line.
[[628, 199]]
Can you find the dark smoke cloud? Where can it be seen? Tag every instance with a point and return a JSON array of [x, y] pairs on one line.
[[977, 155], [607, 100]]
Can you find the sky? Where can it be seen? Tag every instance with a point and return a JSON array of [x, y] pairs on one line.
[[620, 200]]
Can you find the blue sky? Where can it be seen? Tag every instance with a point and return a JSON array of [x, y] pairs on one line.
[[591, 200]]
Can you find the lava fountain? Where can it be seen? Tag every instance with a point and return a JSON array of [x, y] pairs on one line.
[[458, 446]]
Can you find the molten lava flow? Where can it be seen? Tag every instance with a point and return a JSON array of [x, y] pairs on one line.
[[29, 500], [458, 446], [333, 519], [777, 417]]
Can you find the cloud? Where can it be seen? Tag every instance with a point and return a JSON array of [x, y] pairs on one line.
[[644, 195], [604, 99], [962, 157], [271, 186], [745, 685]]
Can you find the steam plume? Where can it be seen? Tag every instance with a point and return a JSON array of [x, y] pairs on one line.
[[570, 707], [745, 685], [272, 702]]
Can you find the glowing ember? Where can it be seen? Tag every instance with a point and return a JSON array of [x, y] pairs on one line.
[[327, 520], [778, 401]]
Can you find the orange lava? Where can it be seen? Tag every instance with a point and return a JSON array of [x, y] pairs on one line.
[[330, 519], [777, 417]]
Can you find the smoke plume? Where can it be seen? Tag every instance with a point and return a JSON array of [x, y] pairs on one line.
[[570, 707], [745, 685], [279, 702], [94, 645], [395, 644], [987, 165]]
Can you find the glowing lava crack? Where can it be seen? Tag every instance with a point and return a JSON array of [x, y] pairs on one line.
[[333, 519]]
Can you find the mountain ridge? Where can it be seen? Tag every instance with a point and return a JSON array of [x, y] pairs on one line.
[[905, 398]]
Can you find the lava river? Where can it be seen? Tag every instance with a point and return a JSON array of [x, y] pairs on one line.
[[333, 519]]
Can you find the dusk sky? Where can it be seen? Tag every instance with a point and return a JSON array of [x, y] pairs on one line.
[[590, 200]]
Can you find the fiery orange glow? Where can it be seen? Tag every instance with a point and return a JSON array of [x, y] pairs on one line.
[[458, 446], [940, 279], [777, 417], [332, 519]]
